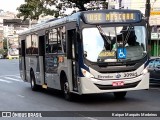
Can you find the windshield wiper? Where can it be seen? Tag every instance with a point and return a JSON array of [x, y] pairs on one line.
[[127, 36], [104, 36]]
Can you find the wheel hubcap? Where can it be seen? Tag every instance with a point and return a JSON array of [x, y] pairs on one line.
[[66, 89], [32, 83]]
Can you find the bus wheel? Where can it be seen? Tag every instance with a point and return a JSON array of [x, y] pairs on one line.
[[34, 87], [119, 95], [67, 93]]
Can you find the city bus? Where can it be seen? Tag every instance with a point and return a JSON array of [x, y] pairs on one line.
[[89, 52]]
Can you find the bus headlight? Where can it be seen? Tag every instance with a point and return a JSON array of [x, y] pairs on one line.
[[145, 71], [86, 73]]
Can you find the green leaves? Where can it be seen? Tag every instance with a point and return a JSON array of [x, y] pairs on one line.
[[33, 9]]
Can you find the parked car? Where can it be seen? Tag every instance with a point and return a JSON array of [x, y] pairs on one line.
[[154, 69]]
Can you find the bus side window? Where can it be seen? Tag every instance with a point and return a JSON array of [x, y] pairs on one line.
[[63, 38], [56, 41], [61, 43], [28, 45], [52, 46], [34, 44], [59, 38], [46, 41]]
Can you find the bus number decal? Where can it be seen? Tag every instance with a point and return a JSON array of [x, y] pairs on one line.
[[130, 74], [108, 54]]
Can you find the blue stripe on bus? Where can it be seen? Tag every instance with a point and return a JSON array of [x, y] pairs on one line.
[[80, 61]]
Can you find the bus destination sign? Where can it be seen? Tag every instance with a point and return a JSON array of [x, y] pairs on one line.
[[111, 17]]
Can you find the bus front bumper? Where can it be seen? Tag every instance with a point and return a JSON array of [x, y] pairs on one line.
[[91, 85]]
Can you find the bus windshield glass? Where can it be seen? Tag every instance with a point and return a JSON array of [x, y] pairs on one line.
[[110, 44]]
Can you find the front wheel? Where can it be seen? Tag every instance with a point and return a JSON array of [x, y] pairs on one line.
[[120, 95], [67, 94]]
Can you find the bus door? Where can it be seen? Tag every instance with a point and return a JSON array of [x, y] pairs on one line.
[[22, 60], [41, 59], [73, 54]]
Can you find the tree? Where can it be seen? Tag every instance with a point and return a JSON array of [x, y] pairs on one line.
[[4, 50], [5, 43], [33, 9]]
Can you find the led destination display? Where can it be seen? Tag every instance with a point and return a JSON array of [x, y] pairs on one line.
[[112, 16]]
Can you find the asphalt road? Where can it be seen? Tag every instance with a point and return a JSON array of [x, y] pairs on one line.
[[16, 95]]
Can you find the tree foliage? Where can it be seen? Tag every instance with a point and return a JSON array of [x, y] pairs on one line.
[[5, 43], [33, 9], [4, 50]]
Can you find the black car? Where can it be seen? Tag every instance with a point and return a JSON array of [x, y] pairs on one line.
[[154, 69]]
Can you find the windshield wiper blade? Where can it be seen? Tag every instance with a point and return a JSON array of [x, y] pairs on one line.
[[127, 36], [104, 36]]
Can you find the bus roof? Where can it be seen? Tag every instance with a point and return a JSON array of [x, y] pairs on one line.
[[52, 22]]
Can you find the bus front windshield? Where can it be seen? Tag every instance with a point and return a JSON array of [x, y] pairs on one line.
[[105, 44]]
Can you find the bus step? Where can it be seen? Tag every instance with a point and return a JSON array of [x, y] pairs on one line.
[[44, 86]]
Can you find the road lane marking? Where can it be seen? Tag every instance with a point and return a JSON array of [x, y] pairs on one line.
[[21, 96], [9, 75], [9, 78], [5, 81], [17, 76]]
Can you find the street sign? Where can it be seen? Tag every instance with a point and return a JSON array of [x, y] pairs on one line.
[[155, 36], [155, 13]]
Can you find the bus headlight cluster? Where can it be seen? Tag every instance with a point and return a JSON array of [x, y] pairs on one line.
[[86, 73]]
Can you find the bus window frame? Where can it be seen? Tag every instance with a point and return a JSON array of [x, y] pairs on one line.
[[59, 39], [28, 52], [37, 53]]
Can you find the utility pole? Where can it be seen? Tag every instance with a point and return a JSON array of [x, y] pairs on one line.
[[147, 10], [147, 15], [120, 4]]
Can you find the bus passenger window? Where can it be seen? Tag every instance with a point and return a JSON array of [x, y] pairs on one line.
[[47, 41], [28, 45], [52, 46], [64, 45], [59, 48], [34, 44], [61, 40]]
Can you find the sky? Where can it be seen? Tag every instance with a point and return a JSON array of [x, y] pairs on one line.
[[10, 5]]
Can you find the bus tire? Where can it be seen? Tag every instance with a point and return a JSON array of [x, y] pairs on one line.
[[67, 94], [34, 87], [120, 95]]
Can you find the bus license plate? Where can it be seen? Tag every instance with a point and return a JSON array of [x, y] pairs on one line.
[[118, 83]]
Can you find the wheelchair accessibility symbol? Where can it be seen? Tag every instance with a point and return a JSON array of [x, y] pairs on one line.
[[122, 53]]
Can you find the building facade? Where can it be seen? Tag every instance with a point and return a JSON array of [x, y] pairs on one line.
[[4, 15]]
